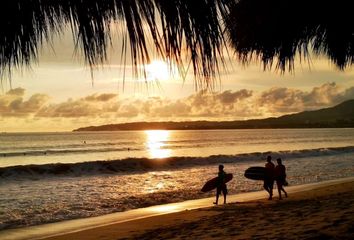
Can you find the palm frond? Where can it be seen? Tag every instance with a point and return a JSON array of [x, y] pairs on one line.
[[191, 26], [277, 30]]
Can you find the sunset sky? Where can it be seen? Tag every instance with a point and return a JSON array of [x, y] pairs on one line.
[[58, 93]]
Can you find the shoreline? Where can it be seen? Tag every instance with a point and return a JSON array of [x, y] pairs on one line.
[[79, 226], [204, 129]]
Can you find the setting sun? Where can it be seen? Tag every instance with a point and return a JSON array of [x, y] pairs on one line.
[[160, 70]]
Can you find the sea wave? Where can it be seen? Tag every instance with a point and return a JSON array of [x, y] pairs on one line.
[[88, 148], [65, 151], [131, 165]]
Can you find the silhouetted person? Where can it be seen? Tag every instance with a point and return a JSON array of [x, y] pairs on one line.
[[221, 185], [269, 177], [280, 176]]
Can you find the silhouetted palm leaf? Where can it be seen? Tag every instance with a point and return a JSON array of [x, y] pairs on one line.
[[190, 24], [271, 30]]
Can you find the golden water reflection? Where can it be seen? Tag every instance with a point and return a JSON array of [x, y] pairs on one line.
[[156, 143]]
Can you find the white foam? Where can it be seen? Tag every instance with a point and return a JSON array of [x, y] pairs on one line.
[[26, 202], [54, 229], [132, 165]]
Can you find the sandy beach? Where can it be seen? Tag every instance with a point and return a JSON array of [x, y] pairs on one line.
[[324, 212]]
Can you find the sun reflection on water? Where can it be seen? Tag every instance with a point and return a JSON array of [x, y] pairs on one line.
[[156, 143]]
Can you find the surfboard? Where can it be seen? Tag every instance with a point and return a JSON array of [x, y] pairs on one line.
[[211, 184], [255, 173]]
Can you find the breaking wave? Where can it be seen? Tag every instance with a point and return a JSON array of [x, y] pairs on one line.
[[131, 165]]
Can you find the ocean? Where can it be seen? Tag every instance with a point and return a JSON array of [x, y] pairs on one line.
[[49, 177]]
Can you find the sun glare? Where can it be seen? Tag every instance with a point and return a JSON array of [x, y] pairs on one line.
[[156, 141], [160, 70]]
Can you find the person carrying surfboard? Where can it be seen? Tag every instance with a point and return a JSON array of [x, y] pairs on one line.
[[280, 176], [221, 185], [269, 177]]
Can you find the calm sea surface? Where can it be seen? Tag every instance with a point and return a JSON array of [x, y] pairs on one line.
[[42, 148], [144, 168]]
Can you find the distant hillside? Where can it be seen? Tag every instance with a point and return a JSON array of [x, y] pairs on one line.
[[341, 115]]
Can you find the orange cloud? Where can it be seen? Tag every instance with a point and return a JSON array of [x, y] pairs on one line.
[[108, 108], [13, 104], [287, 100], [101, 97], [90, 106]]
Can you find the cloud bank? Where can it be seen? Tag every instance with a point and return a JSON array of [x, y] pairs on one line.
[[105, 108], [13, 104]]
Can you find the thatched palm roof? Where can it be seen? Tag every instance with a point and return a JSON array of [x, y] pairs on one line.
[[277, 30], [264, 29], [190, 26]]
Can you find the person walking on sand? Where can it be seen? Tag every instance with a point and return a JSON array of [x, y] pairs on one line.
[[269, 177], [280, 176], [221, 185]]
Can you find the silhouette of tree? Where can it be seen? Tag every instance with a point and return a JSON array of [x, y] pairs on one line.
[[176, 27], [277, 30], [265, 30]]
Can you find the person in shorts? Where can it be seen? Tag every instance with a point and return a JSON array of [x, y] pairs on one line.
[[269, 177], [280, 177], [221, 185]]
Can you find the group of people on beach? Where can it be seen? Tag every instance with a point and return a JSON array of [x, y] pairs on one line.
[[272, 174], [277, 174]]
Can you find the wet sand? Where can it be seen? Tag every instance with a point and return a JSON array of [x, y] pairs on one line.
[[320, 212]]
